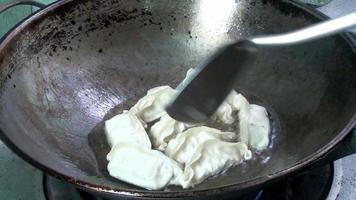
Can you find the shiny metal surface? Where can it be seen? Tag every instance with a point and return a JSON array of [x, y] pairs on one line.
[[68, 66], [312, 32]]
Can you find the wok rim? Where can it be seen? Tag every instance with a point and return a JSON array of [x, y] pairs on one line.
[[10, 36]]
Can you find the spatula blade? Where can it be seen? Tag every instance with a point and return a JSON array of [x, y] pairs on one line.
[[199, 100]]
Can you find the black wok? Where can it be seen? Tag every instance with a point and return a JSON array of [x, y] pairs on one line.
[[66, 67]]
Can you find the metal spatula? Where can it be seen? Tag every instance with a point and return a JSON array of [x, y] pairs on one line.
[[198, 101]]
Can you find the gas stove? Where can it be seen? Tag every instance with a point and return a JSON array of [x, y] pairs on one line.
[[336, 181]]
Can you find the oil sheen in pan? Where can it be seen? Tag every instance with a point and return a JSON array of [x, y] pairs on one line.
[[99, 145]]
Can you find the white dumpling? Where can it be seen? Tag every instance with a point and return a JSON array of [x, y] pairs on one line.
[[259, 128], [224, 113], [233, 102], [237, 101], [254, 125], [240, 103], [185, 144], [143, 167], [164, 130], [152, 106], [126, 127], [203, 151], [211, 158]]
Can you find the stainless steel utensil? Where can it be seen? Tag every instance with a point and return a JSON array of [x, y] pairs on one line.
[[198, 101]]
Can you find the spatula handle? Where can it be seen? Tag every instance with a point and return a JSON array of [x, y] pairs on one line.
[[309, 33]]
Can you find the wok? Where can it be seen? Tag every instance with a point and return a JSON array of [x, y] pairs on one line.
[[74, 63]]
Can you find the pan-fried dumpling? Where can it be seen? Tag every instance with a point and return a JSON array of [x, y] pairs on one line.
[[211, 158], [224, 113], [254, 123], [259, 128], [126, 127], [203, 151], [240, 103], [185, 144], [233, 102], [147, 168], [164, 130], [152, 106]]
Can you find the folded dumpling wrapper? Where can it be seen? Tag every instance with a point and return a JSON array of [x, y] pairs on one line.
[[185, 144], [240, 103], [211, 158], [203, 151], [259, 128], [164, 130], [147, 168], [225, 113], [254, 125], [152, 106], [126, 127]]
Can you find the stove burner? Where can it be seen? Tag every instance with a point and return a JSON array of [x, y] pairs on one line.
[[311, 184]]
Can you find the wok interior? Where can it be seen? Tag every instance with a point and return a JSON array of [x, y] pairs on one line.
[[65, 72]]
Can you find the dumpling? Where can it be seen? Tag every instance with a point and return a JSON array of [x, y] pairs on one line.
[[126, 127], [237, 101], [224, 113], [185, 144], [143, 167], [203, 151], [152, 106], [211, 158], [164, 130], [254, 123], [240, 103], [233, 102], [259, 128]]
